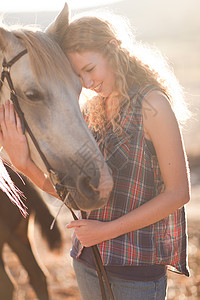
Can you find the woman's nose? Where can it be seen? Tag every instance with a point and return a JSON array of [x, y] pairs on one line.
[[87, 82]]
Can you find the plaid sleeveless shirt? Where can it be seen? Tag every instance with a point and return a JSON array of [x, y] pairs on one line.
[[137, 179]]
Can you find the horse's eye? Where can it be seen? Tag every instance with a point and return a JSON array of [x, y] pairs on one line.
[[33, 95]]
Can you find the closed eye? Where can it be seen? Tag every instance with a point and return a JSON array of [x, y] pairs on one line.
[[90, 70], [34, 95]]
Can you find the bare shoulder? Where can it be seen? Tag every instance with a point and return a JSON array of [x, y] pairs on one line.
[[156, 102], [157, 114]]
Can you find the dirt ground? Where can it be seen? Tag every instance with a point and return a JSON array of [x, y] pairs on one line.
[[61, 279]]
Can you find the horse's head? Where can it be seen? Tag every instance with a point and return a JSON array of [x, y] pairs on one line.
[[47, 90]]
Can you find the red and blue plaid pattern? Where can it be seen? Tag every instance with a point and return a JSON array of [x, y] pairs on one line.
[[137, 179]]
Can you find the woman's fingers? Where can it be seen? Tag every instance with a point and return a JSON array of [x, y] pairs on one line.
[[7, 112], [76, 223], [12, 138], [10, 123], [11, 117], [19, 125], [10, 114]]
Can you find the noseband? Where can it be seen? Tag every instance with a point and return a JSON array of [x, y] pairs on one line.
[[61, 191]]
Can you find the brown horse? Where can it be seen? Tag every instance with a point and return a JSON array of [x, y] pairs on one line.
[[14, 232]]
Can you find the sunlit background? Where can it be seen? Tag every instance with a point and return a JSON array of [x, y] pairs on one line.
[[45, 5], [174, 27]]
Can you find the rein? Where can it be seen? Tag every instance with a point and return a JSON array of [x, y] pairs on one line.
[[54, 176]]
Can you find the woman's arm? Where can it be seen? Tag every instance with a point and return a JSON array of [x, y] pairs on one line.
[[163, 130], [15, 144]]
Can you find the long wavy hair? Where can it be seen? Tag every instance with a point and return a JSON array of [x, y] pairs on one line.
[[131, 61]]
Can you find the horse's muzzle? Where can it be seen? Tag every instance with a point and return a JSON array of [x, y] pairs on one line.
[[84, 192]]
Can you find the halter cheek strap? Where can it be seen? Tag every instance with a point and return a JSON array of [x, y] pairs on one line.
[[6, 66], [6, 74]]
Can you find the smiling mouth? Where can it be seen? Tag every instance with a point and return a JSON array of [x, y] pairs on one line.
[[98, 88]]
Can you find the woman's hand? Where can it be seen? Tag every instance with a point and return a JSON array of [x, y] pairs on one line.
[[15, 144], [90, 232], [12, 138]]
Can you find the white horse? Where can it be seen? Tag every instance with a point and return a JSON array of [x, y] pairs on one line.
[[47, 90]]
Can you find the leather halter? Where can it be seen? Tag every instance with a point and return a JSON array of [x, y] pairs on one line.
[[6, 66], [53, 175]]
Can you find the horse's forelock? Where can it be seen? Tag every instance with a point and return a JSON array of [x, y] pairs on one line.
[[46, 57]]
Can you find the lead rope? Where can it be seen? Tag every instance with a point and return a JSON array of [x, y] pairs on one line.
[[95, 251], [101, 271]]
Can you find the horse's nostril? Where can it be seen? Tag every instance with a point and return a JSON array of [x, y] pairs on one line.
[[86, 186], [94, 181]]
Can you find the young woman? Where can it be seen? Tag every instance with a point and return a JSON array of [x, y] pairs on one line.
[[142, 229]]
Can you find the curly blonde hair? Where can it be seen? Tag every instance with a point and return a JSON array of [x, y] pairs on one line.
[[94, 33]]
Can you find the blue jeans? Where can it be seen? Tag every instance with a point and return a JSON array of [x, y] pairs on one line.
[[88, 284]]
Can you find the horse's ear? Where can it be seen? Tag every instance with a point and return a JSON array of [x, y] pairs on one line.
[[58, 27], [3, 38], [7, 38]]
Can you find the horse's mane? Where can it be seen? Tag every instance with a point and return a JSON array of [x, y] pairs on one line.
[[8, 187], [46, 56]]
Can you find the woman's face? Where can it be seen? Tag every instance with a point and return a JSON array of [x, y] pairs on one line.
[[94, 72]]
